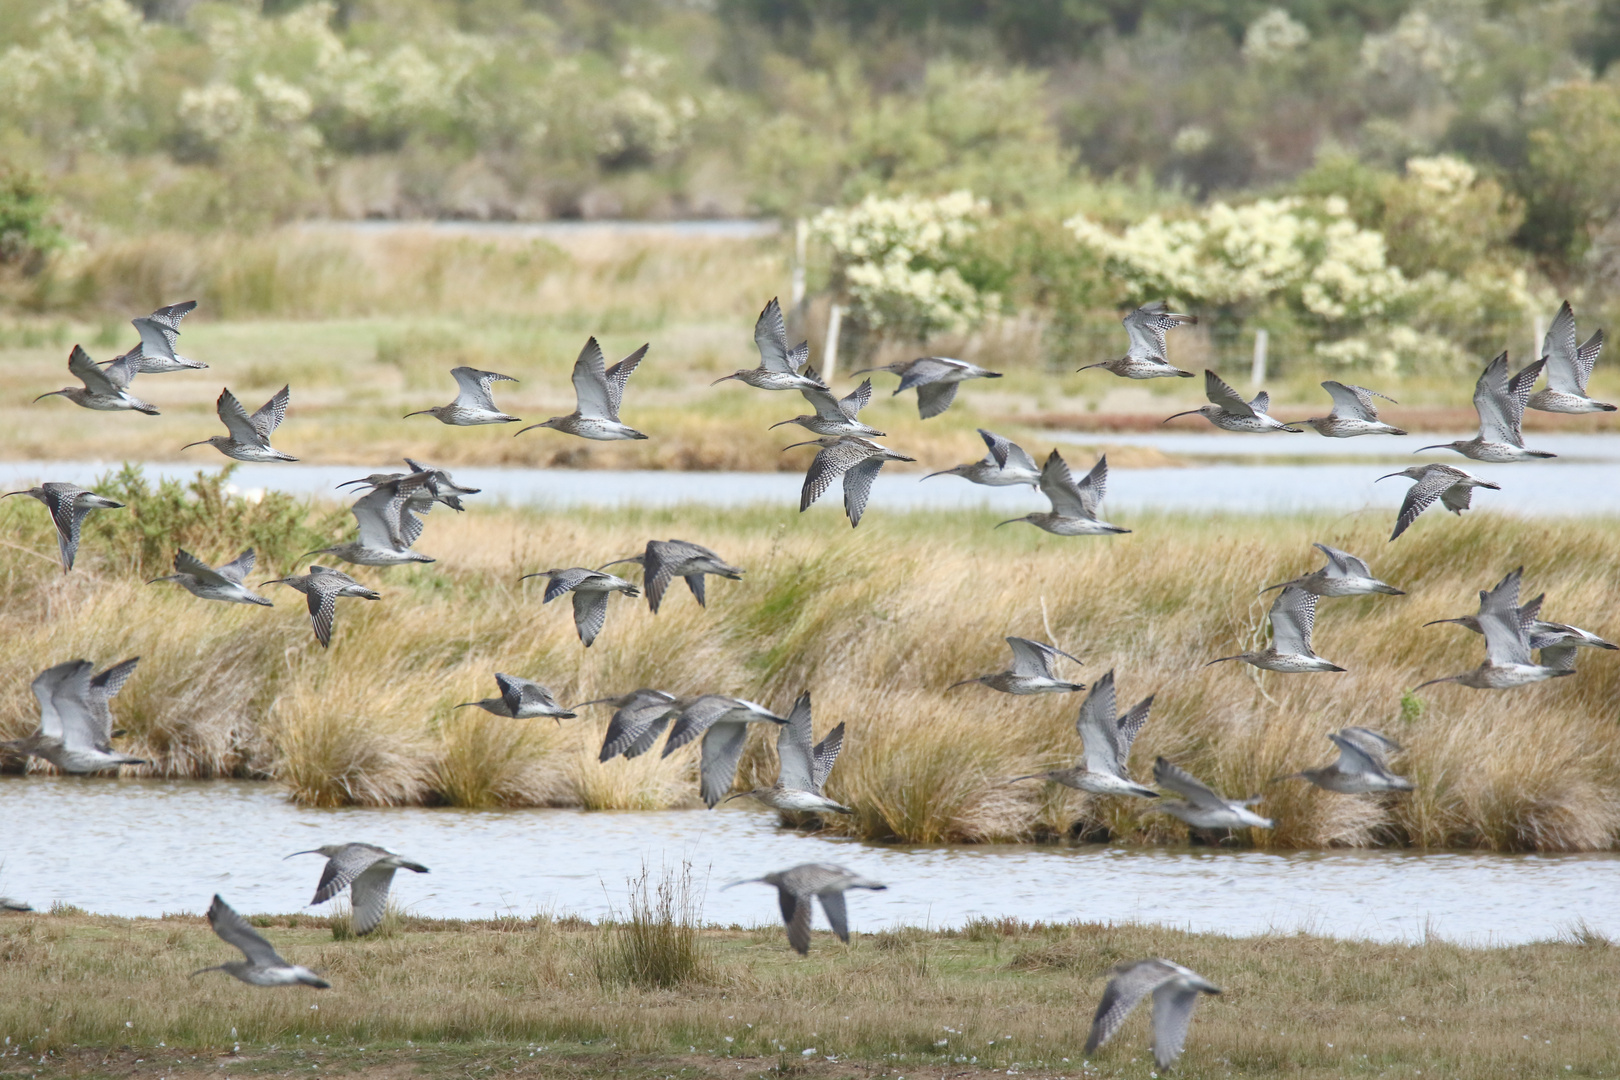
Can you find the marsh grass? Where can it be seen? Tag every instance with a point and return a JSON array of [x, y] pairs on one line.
[[911, 1002], [658, 944], [876, 622]]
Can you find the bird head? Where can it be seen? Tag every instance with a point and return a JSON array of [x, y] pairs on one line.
[[1441, 446], [426, 412], [1413, 472], [329, 850], [215, 440], [1207, 411]]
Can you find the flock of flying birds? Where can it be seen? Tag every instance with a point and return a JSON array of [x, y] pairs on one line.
[[75, 731]]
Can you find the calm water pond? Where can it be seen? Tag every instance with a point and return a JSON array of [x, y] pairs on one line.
[[1229, 473], [148, 847]]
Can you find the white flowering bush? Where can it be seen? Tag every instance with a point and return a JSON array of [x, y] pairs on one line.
[[893, 261], [1305, 253], [74, 84], [1273, 37]]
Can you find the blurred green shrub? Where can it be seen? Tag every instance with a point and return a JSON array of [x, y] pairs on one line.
[[27, 234], [209, 517]]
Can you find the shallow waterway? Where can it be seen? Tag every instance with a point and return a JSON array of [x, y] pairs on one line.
[[1239, 474], [143, 848]]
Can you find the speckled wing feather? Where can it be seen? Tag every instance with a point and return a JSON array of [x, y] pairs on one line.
[[833, 904], [1293, 615], [770, 334], [369, 895], [795, 750], [1097, 730], [722, 749], [1218, 392], [1173, 777], [858, 487], [1130, 984], [826, 755], [341, 869], [234, 930], [619, 374], [238, 568], [830, 464], [271, 413], [590, 613]]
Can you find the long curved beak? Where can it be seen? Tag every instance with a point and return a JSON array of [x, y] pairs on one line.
[[964, 682], [1431, 682], [155, 580], [723, 378], [864, 370], [345, 483], [464, 704], [53, 393], [942, 472], [1387, 476], [593, 701], [739, 795], [275, 581], [1279, 585], [639, 560], [808, 442], [1223, 659], [1036, 776], [284, 858], [1437, 622], [779, 423], [1437, 446], [189, 445], [537, 573], [1088, 367], [1189, 412], [418, 412], [746, 881], [9, 494], [1009, 521]]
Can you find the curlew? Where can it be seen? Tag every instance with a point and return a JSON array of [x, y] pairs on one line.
[[1031, 672], [386, 527], [639, 717], [249, 436], [780, 368], [1362, 767], [105, 389], [1229, 412], [159, 331], [1451, 485], [1199, 805], [804, 765], [262, 966], [473, 404], [1569, 366], [1500, 402], [75, 724], [665, 560], [599, 391], [521, 699], [836, 416], [591, 589], [1005, 464], [68, 504], [323, 586], [1292, 616], [1344, 575], [367, 871], [201, 580], [1175, 991], [935, 378], [797, 888], [1074, 506], [1105, 746], [1146, 358], [1507, 643], [1353, 413], [437, 487], [857, 460], [722, 723]]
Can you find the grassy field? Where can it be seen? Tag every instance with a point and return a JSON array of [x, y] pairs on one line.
[[877, 622], [93, 996], [366, 329]]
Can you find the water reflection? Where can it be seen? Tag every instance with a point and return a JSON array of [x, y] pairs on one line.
[[149, 847]]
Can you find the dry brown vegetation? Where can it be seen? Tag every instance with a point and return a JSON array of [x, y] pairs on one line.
[[450, 998], [876, 622]]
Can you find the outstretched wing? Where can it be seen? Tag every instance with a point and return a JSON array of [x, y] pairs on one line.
[[1125, 991], [830, 463], [826, 755], [370, 898], [858, 487], [1559, 350], [794, 749], [590, 613], [1491, 401], [1174, 778], [234, 930], [235, 419], [1216, 389], [853, 402], [1057, 484], [934, 398], [1096, 728], [271, 413], [1293, 614], [619, 374], [238, 568], [1422, 495], [770, 334]]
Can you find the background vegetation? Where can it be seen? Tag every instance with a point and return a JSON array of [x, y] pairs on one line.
[[1382, 184]]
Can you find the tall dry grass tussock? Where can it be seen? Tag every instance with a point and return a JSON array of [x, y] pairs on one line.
[[876, 622]]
